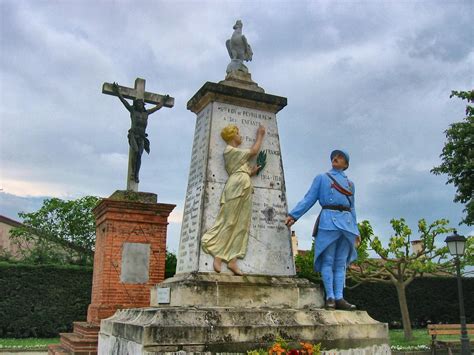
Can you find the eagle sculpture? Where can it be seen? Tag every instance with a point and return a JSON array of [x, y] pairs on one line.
[[239, 49]]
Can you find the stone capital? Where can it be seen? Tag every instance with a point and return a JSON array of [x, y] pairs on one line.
[[236, 96]]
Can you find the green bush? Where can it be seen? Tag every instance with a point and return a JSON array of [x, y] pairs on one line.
[[42, 301], [430, 300], [170, 264]]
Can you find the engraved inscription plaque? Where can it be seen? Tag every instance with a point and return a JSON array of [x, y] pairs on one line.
[[135, 263], [163, 295]]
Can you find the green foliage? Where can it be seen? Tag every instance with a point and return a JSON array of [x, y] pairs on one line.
[[27, 344], [170, 264], [282, 342], [469, 254], [59, 232], [42, 300], [261, 160], [458, 157], [304, 266], [398, 263], [7, 256]]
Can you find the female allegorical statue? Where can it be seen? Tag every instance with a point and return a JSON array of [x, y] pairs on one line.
[[227, 239]]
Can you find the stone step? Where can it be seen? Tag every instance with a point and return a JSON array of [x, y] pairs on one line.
[[77, 344], [87, 330]]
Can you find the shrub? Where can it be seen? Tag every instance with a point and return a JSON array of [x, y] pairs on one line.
[[41, 301]]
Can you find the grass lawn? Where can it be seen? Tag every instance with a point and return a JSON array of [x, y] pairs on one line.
[[27, 343], [420, 338]]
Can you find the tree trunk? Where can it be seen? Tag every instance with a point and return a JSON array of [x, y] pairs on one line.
[[402, 301]]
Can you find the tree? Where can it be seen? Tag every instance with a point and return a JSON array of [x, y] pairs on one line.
[[398, 264], [170, 264], [63, 232], [60, 231], [458, 157]]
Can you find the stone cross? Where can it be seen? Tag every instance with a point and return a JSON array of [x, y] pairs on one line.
[[137, 93]]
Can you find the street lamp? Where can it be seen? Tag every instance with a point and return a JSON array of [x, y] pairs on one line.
[[456, 245]]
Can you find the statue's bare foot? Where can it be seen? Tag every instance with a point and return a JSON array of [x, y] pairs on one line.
[[232, 266], [217, 264]]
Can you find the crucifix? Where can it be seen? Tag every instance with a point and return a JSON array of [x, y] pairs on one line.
[[137, 136]]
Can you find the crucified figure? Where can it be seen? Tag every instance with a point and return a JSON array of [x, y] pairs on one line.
[[137, 136]]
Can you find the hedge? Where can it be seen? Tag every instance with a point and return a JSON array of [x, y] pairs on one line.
[[42, 300], [430, 300]]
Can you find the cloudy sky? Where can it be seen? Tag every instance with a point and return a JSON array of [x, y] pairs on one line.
[[372, 77]]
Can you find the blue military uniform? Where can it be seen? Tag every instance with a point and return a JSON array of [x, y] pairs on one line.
[[334, 245]]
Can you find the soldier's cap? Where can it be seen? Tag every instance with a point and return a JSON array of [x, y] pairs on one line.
[[340, 152]]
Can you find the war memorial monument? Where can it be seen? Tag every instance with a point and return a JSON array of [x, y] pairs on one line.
[[221, 300]]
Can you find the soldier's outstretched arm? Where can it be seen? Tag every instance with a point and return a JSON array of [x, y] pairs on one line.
[[119, 95], [311, 197]]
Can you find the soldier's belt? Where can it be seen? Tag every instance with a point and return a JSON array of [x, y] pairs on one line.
[[339, 208]]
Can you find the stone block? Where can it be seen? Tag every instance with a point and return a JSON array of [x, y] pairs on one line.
[[251, 291]]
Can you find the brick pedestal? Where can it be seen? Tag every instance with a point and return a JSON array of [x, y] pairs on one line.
[[126, 218], [130, 254]]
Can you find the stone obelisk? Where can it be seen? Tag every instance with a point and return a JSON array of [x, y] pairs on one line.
[[246, 105]]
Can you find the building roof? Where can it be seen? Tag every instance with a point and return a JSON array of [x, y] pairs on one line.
[[9, 221]]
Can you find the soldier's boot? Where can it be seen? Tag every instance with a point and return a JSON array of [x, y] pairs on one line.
[[330, 304], [343, 305]]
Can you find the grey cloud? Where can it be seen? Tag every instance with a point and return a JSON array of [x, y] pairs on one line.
[[450, 38]]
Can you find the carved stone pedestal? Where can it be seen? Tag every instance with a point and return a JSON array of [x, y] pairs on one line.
[[129, 259], [224, 313]]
